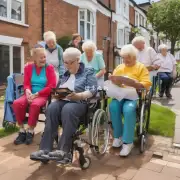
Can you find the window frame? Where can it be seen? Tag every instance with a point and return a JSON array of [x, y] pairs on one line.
[[11, 56], [9, 13], [121, 37], [92, 23]]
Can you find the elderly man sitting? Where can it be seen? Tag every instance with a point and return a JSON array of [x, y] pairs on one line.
[[167, 71], [69, 110]]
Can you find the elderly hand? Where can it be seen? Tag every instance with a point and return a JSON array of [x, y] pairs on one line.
[[74, 96], [28, 94], [33, 96]]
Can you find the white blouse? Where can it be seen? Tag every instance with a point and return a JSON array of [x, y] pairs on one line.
[[167, 63]]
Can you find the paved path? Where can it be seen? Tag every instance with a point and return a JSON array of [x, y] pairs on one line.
[[173, 104]]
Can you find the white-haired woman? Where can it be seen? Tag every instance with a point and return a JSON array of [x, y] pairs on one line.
[[167, 70], [93, 59], [69, 110], [54, 53], [146, 55], [39, 79], [124, 135]]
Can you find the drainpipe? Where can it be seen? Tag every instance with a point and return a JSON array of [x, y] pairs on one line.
[[42, 20], [109, 40]]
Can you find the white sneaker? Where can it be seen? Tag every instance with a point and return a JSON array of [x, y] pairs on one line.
[[117, 142], [126, 149]]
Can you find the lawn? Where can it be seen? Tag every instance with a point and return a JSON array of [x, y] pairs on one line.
[[162, 121], [5, 132]]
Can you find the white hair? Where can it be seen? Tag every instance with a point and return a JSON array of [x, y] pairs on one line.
[[49, 35], [162, 46], [71, 54], [89, 45], [138, 39], [129, 50]]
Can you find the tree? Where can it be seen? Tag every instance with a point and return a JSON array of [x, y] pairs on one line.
[[165, 18]]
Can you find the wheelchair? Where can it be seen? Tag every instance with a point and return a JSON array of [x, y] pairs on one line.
[[143, 111], [96, 124]]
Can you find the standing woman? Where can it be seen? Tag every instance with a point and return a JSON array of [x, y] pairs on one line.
[[93, 59], [76, 42], [54, 53]]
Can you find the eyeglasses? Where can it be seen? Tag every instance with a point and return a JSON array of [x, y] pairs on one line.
[[69, 62]]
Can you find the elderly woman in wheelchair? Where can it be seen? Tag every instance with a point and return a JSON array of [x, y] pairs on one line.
[[39, 79], [68, 110], [137, 76]]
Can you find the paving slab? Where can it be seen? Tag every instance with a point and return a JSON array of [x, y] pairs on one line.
[[145, 174]]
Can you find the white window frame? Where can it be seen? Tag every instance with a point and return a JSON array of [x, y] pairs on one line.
[[120, 38], [92, 25], [126, 14], [11, 56], [136, 19], [118, 6], [9, 19]]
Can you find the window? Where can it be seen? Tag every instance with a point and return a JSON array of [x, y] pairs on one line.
[[118, 6], [118, 60], [126, 8], [10, 61], [12, 10], [87, 24], [136, 19], [120, 39], [126, 37]]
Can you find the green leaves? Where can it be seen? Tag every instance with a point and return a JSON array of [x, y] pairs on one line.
[[165, 18]]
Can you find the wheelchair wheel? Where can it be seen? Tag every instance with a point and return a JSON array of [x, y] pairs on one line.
[[142, 128], [99, 134], [85, 165]]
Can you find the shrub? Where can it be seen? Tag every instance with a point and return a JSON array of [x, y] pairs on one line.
[[64, 41]]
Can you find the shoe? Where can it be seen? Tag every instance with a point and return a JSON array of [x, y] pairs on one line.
[[38, 155], [126, 149], [66, 160], [168, 95], [57, 155], [117, 143], [29, 138], [20, 139], [161, 95]]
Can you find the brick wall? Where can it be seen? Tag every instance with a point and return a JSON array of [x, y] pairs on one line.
[[29, 34], [61, 17], [113, 3], [102, 31], [131, 15]]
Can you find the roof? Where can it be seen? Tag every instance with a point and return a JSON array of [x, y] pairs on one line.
[[142, 1]]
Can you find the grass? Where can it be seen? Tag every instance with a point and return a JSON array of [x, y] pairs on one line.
[[8, 131], [162, 121]]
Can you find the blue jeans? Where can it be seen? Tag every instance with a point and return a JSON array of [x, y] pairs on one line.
[[126, 108]]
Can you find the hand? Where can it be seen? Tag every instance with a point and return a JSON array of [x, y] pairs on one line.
[[156, 67], [33, 96], [74, 96], [174, 75], [28, 94]]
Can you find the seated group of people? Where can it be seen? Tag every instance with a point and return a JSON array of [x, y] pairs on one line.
[[81, 71]]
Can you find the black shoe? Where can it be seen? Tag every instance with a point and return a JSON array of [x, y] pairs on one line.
[[168, 95], [20, 139], [57, 155], [161, 95], [29, 138], [67, 159], [38, 155]]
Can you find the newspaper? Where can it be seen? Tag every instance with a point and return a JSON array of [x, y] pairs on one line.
[[120, 93]]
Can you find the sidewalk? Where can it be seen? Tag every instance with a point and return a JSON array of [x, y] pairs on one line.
[[174, 105], [15, 163]]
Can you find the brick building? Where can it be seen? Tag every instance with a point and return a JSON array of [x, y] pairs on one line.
[[22, 24]]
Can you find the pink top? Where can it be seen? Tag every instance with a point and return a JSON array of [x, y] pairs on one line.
[[50, 75]]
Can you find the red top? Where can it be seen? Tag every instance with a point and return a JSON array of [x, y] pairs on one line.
[[50, 75]]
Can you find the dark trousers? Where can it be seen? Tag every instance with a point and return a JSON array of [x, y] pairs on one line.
[[167, 81], [67, 114]]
